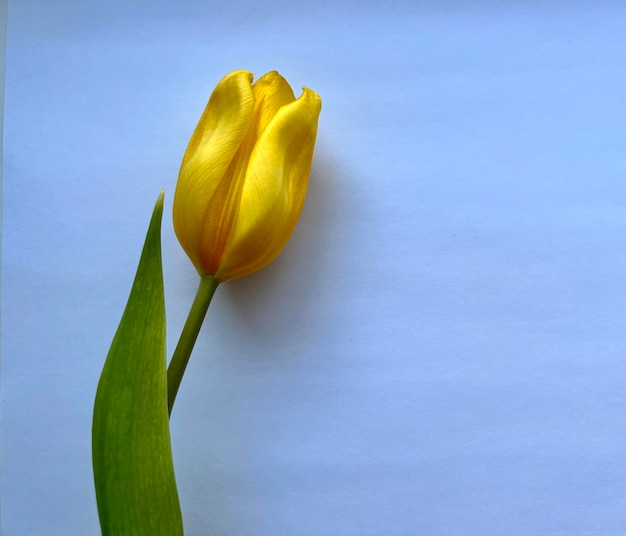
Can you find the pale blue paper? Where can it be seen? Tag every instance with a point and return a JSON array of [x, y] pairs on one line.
[[439, 350]]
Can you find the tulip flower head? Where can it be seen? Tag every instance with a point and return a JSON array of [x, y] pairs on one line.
[[245, 173]]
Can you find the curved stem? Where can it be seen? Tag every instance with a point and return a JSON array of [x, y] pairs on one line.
[[188, 337]]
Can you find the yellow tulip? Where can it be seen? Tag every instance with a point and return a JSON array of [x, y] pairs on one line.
[[245, 173]]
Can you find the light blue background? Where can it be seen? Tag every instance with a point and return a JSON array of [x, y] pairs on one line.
[[439, 350]]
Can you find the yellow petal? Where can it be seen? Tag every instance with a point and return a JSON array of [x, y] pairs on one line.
[[271, 93], [274, 189], [211, 149]]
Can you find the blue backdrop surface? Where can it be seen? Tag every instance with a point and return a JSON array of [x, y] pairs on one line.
[[439, 349]]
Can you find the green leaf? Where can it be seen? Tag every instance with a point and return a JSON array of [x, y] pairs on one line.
[[132, 457]]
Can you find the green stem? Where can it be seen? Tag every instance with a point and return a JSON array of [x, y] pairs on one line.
[[188, 337]]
